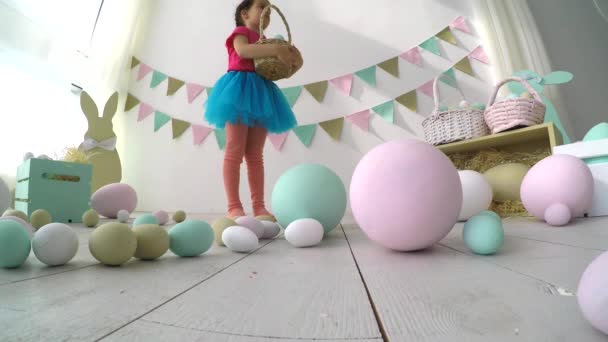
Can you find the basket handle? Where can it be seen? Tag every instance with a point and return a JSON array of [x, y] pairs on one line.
[[435, 91], [525, 83], [266, 9]]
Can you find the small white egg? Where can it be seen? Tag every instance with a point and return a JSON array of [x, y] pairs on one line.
[[252, 224], [271, 229], [44, 156], [123, 216], [55, 244], [28, 156], [464, 104], [304, 233], [240, 239]]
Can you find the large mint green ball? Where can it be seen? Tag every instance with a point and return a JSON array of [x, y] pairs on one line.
[[191, 238], [483, 234], [309, 191], [15, 245], [145, 219]]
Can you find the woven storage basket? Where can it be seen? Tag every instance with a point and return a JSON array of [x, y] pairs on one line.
[[510, 113], [443, 127], [271, 68]]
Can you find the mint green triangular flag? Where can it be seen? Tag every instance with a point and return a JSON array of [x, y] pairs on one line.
[[292, 94], [157, 78], [220, 136], [368, 75], [431, 45], [386, 111], [449, 78], [305, 133], [160, 119]]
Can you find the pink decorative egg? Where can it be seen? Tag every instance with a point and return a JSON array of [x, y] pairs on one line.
[[111, 198], [406, 195], [592, 293], [161, 216], [557, 189]]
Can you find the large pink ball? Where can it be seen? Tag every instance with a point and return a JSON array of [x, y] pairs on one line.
[[592, 293], [111, 198], [557, 189], [406, 195]]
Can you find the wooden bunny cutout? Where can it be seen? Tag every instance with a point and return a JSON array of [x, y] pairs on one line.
[[100, 141]]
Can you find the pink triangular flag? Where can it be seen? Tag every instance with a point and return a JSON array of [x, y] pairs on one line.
[[360, 119], [412, 56], [144, 110], [461, 24], [194, 90], [144, 69], [427, 88], [200, 133], [344, 83], [278, 140], [480, 54]]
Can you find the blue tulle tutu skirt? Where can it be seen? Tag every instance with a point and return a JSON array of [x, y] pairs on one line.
[[241, 97]]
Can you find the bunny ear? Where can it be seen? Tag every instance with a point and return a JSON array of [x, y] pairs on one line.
[[110, 109], [89, 108], [558, 77]]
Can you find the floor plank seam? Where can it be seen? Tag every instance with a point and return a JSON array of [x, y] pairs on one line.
[[260, 336], [556, 243], [550, 288], [47, 275], [183, 292], [369, 295]]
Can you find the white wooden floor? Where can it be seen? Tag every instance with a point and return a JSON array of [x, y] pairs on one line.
[[347, 289]]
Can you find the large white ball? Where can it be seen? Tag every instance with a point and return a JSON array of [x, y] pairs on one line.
[[476, 194], [55, 244], [304, 233], [240, 239]]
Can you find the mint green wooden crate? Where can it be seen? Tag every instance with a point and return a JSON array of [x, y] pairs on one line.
[[65, 199]]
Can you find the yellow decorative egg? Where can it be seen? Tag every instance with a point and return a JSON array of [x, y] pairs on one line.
[[219, 226], [40, 218], [506, 180]]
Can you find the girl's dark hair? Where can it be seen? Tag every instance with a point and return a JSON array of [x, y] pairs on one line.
[[245, 5]]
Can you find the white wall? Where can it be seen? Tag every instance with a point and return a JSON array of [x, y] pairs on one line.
[[574, 34], [186, 39]]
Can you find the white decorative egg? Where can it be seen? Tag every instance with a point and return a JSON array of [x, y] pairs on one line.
[[304, 233], [240, 239], [464, 104], [271, 229], [252, 224], [55, 244], [28, 156]]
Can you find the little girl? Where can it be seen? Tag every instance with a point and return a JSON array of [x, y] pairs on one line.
[[248, 106]]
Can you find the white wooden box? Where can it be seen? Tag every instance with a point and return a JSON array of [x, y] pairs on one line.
[[586, 150]]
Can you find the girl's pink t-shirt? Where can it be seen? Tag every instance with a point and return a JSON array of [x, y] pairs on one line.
[[235, 62]]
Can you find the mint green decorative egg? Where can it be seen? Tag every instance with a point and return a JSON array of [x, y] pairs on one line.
[[490, 214], [598, 132], [15, 245], [483, 234], [145, 219], [191, 238]]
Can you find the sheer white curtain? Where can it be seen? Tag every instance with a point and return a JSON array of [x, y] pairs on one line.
[[45, 46], [514, 43]]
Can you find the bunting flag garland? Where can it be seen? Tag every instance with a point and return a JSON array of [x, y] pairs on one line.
[[317, 90], [193, 90], [386, 111], [413, 56], [305, 133], [144, 70], [278, 140], [431, 46], [134, 62], [343, 83], [361, 119], [460, 23], [160, 119], [464, 65], [144, 111], [427, 88], [450, 78], [409, 100], [391, 66], [174, 85], [131, 102], [157, 78], [447, 36], [368, 75], [178, 127], [220, 137], [200, 133], [333, 127], [480, 54], [292, 94]]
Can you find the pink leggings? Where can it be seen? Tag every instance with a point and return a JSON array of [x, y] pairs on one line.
[[243, 141]]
